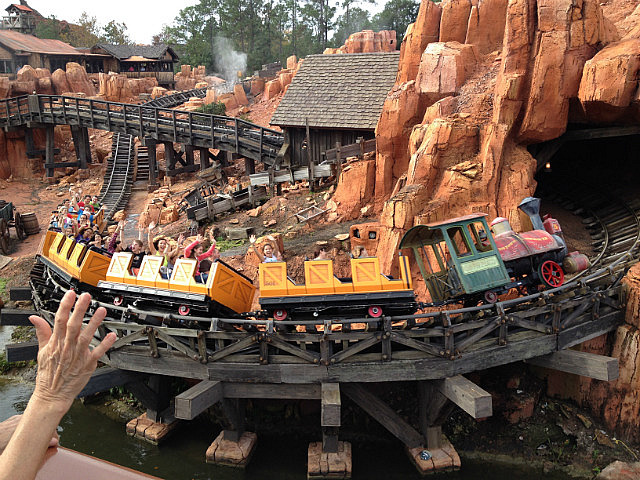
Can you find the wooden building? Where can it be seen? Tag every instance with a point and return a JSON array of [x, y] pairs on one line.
[[19, 49], [339, 98], [137, 61], [20, 17]]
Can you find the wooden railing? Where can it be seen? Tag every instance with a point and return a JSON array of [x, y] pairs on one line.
[[162, 124]]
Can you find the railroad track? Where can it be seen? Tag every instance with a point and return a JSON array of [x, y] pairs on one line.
[[118, 179]]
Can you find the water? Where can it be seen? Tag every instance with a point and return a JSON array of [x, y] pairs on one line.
[[181, 457]]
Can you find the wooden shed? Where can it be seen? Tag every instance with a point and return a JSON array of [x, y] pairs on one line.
[[137, 61], [339, 97], [19, 49]]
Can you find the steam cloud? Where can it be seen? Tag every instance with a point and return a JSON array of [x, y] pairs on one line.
[[228, 61]]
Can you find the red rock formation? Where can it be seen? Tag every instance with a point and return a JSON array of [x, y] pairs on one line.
[[444, 67], [355, 188], [79, 80], [367, 41], [60, 83], [419, 34]]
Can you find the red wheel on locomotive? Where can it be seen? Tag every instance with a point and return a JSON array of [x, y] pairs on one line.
[[375, 311], [183, 310], [490, 297], [117, 300], [551, 274], [280, 314]]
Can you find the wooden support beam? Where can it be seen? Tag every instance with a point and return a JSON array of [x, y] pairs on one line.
[[188, 155], [205, 161], [49, 153], [191, 403], [467, 395], [151, 145], [16, 317], [20, 352], [155, 396], [170, 156], [330, 416], [234, 410], [272, 390], [249, 166], [80, 137], [434, 408], [381, 412], [105, 378], [20, 293], [585, 364]]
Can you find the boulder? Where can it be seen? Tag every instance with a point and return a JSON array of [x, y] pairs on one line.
[[158, 92], [355, 188], [211, 96], [78, 79], [5, 86], [229, 100], [485, 29], [169, 215], [185, 70], [257, 85], [60, 83], [610, 80], [241, 97], [292, 62], [44, 86], [43, 72], [27, 74], [272, 89], [425, 30], [444, 67], [454, 20]]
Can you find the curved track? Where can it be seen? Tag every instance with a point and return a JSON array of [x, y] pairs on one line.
[[118, 179]]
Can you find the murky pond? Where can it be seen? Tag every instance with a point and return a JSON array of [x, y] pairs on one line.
[[181, 457]]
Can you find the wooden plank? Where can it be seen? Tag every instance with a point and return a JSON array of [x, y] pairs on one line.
[[330, 402], [380, 412], [272, 391], [467, 395], [584, 364], [588, 330], [19, 352], [105, 378], [191, 403], [16, 317], [20, 293]]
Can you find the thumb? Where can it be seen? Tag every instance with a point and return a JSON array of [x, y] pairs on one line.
[[43, 330]]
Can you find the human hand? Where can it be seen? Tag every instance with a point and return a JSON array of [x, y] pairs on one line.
[[199, 238], [166, 249], [9, 426], [252, 239], [180, 239], [65, 362], [152, 226], [270, 237]]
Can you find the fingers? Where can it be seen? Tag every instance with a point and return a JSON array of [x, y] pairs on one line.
[[75, 321], [43, 330], [106, 344], [62, 315], [87, 333], [55, 440]]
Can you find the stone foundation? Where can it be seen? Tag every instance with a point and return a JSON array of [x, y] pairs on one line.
[[329, 465], [232, 454], [149, 431], [442, 459]]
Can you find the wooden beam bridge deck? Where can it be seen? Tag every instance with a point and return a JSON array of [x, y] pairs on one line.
[[161, 124]]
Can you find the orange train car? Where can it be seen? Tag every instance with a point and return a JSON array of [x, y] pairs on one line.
[[367, 292], [226, 292]]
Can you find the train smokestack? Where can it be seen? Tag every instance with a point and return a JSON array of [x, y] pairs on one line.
[[531, 206]]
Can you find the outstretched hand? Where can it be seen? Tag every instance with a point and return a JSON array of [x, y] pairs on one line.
[[65, 362], [252, 239]]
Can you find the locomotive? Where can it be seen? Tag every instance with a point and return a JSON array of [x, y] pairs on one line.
[[461, 260]]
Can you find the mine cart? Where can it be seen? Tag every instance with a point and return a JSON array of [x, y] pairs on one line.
[[9, 217]]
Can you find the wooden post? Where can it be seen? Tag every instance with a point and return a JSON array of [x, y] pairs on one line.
[[49, 146], [234, 412], [433, 411], [80, 137], [204, 158], [249, 166], [338, 161], [330, 417], [361, 142], [153, 163], [188, 154], [170, 156], [28, 141], [309, 159]]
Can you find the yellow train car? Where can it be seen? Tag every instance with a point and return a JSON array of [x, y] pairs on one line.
[[366, 292], [226, 291]]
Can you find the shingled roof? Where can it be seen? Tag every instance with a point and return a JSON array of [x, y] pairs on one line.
[[344, 91], [122, 52]]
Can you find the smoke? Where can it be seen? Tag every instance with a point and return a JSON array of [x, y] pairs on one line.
[[228, 61]]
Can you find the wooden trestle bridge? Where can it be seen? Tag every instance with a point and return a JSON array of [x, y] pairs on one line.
[[151, 123]]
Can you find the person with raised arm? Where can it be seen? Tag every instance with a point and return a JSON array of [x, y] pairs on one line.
[[195, 249], [268, 252], [65, 364]]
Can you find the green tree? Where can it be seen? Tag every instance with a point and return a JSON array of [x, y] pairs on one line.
[[353, 20], [115, 33], [397, 15], [84, 33], [49, 28]]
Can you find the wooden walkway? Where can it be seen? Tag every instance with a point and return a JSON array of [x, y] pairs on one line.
[[191, 129]]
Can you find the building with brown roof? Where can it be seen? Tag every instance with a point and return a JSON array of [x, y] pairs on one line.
[[19, 49], [339, 97]]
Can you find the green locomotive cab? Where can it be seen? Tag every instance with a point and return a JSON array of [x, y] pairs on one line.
[[457, 258]]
